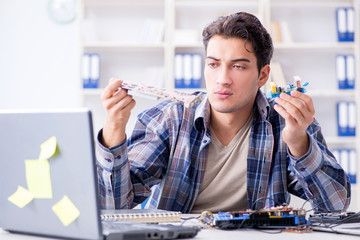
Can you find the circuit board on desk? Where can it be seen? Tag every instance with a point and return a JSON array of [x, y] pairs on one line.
[[276, 217]]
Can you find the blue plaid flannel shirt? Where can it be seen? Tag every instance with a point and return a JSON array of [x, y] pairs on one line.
[[164, 160]]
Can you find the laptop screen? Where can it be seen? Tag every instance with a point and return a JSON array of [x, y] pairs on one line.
[[48, 177]]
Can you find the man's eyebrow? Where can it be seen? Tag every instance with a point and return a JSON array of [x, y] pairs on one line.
[[240, 60], [234, 60], [216, 59]]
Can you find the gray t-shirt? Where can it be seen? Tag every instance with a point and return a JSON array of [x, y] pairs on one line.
[[224, 186]]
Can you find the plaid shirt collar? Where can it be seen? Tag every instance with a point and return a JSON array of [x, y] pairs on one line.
[[202, 113]]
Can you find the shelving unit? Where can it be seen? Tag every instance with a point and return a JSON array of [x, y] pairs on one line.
[[115, 28]]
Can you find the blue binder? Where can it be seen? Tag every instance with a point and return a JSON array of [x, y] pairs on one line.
[[341, 71], [350, 71], [346, 157], [352, 119], [188, 70], [90, 70], [350, 23], [346, 118], [345, 24], [197, 70], [179, 70], [345, 71], [352, 166], [94, 70], [85, 70]]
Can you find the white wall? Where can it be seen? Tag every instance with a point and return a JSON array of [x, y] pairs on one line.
[[38, 58]]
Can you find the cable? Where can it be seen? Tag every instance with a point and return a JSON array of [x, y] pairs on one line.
[[336, 222], [266, 197]]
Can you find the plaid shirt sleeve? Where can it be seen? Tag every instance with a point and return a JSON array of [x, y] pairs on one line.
[[107, 161], [323, 180], [128, 171]]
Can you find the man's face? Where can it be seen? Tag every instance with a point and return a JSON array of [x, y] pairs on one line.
[[231, 74]]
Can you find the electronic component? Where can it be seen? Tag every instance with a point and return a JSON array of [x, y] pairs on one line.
[[276, 90], [156, 93], [207, 218], [336, 217], [276, 217]]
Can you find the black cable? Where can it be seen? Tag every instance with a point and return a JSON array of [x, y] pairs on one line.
[[266, 197], [306, 201], [185, 219]]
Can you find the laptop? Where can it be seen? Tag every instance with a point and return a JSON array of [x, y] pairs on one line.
[[345, 228], [336, 222], [62, 187]]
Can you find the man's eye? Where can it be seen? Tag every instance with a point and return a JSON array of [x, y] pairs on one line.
[[238, 67], [212, 65]]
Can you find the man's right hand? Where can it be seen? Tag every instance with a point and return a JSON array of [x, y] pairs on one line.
[[118, 105]]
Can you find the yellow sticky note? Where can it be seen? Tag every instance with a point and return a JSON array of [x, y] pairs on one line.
[[21, 197], [66, 211], [38, 178], [48, 148]]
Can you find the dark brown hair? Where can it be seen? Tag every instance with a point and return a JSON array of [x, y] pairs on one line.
[[245, 26]]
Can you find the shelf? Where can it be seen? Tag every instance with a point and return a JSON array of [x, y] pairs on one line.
[[332, 93], [189, 45], [311, 1], [92, 91], [341, 140], [122, 2], [122, 45], [212, 3], [315, 46]]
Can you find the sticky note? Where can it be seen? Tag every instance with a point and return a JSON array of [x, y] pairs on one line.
[[66, 211], [48, 148], [38, 178], [21, 197]]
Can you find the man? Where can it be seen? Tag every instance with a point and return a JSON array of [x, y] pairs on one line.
[[232, 151]]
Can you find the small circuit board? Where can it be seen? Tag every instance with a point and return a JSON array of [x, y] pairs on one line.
[[156, 93], [275, 90]]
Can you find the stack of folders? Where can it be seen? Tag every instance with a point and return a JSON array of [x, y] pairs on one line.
[[188, 70], [90, 70], [347, 159], [345, 71], [345, 22], [346, 118], [141, 215]]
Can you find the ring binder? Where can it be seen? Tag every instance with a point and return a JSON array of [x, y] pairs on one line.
[[141, 215]]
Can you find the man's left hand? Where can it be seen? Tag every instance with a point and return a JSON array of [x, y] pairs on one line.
[[298, 111]]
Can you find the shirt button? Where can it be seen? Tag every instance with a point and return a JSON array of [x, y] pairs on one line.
[[204, 141]]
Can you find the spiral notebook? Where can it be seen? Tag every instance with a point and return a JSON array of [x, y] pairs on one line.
[[141, 215]]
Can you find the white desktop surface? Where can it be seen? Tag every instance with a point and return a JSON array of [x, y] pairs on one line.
[[216, 234]]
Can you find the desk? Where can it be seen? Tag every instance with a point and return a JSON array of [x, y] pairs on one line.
[[216, 234]]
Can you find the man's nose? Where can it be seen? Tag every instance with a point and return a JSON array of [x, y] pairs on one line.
[[224, 77]]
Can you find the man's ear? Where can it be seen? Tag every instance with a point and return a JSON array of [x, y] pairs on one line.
[[264, 75]]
